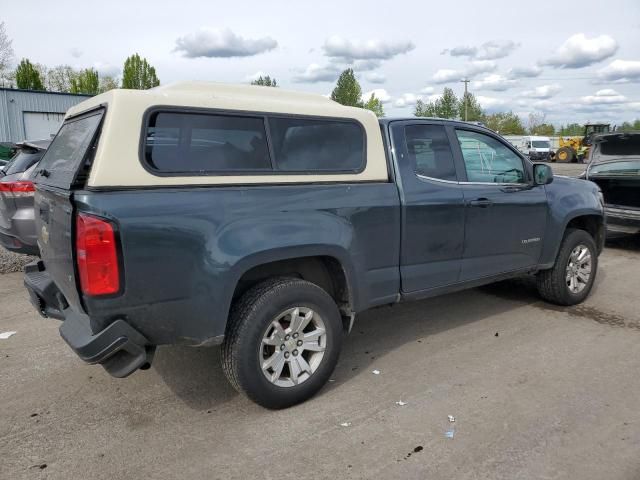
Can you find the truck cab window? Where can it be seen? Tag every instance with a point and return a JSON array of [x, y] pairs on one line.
[[487, 160], [428, 149]]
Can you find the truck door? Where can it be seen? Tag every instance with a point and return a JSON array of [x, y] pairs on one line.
[[432, 205], [505, 213]]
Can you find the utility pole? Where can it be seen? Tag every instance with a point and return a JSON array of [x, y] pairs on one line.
[[466, 82]]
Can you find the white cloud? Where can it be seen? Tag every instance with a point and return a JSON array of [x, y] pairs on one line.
[[480, 66], [487, 51], [543, 91], [494, 82], [524, 72], [491, 104], [427, 90], [407, 99], [214, 42], [375, 77], [606, 96], [107, 69], [461, 51], [315, 73], [365, 65], [473, 68], [75, 52], [579, 51], [446, 75], [380, 93], [337, 46], [620, 71]]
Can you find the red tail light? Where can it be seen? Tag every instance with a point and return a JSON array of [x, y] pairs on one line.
[[17, 189], [97, 256]]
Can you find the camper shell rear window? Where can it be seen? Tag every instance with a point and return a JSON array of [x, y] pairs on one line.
[[65, 158], [186, 143]]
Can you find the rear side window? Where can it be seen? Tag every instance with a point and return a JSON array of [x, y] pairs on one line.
[[428, 147], [196, 143], [24, 160], [63, 159], [304, 145]]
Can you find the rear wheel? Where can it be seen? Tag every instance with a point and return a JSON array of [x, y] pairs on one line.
[[571, 278], [283, 342], [565, 155]]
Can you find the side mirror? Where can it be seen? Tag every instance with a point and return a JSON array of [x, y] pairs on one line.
[[542, 174]]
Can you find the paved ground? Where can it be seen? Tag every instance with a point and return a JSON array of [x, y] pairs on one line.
[[537, 392], [569, 169]]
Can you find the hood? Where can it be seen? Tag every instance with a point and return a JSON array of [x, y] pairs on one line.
[[615, 146]]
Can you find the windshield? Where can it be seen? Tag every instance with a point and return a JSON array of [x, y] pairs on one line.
[[629, 167], [22, 161], [540, 144]]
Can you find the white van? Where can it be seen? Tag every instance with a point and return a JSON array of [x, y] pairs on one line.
[[537, 148]]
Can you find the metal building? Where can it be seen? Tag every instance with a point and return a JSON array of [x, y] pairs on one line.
[[33, 115]]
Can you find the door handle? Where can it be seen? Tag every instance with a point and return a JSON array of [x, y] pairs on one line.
[[481, 202]]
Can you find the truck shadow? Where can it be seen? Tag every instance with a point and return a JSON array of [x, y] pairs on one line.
[[196, 377], [624, 242]]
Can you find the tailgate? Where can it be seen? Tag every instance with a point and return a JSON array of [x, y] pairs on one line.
[[55, 229]]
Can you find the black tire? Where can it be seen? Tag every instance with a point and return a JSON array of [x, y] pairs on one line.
[[565, 155], [552, 283], [250, 317]]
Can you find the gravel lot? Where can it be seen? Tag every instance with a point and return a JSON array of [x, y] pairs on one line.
[[13, 262], [537, 392]]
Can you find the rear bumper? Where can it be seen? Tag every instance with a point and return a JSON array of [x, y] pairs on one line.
[[119, 348], [622, 220]]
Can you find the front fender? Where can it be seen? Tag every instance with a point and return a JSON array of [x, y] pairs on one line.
[[568, 199]]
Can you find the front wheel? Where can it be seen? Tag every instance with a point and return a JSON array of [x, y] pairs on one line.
[[283, 342], [571, 278]]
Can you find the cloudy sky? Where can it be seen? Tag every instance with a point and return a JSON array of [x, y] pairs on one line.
[[572, 60]]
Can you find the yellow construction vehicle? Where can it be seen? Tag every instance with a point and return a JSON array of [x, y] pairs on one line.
[[576, 149]]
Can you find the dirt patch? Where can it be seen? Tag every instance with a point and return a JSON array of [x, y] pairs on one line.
[[13, 262]]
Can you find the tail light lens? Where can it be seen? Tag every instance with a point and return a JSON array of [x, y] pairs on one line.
[[17, 189], [97, 256]]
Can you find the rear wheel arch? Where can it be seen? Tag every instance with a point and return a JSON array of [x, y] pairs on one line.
[[333, 275]]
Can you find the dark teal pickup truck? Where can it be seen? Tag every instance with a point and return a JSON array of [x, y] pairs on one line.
[[266, 220]]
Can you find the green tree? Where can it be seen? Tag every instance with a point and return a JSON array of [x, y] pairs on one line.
[[571, 130], [505, 123], [474, 110], [347, 90], [425, 109], [86, 81], [629, 127], [446, 106], [544, 129], [375, 105], [265, 81], [107, 83], [27, 76], [138, 74]]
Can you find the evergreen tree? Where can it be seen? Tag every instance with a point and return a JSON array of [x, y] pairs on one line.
[[265, 81], [138, 74], [347, 90], [375, 105]]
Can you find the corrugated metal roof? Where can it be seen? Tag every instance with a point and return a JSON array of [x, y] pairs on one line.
[[14, 102]]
